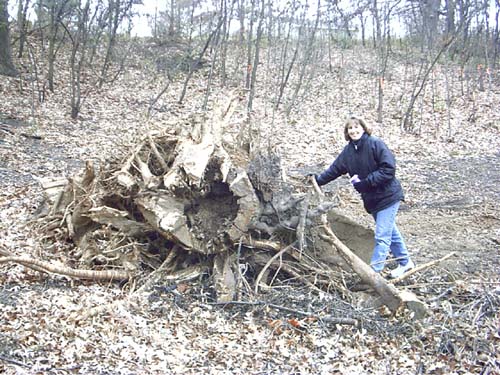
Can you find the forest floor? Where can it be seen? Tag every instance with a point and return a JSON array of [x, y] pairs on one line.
[[452, 204]]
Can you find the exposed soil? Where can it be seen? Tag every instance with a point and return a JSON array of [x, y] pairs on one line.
[[455, 206]]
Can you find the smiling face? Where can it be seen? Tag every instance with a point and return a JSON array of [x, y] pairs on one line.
[[355, 130]]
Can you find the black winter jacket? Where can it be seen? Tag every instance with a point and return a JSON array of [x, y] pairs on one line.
[[370, 159]]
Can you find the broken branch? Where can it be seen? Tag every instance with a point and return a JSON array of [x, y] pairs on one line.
[[421, 268], [41, 266]]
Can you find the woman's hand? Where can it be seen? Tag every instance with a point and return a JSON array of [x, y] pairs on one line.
[[362, 186]]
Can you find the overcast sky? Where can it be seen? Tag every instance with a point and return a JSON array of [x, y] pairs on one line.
[[140, 22], [142, 28]]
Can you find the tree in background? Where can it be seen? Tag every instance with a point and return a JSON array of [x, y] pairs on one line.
[[57, 12], [118, 10], [270, 50], [22, 18], [6, 64]]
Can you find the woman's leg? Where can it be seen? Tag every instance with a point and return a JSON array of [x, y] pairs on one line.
[[398, 247], [385, 232]]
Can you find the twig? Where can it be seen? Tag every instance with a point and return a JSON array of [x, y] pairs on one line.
[[154, 276], [420, 268], [13, 361], [177, 277], [268, 264], [160, 159], [317, 189], [330, 319]]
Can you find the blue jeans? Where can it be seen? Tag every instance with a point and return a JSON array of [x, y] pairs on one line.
[[388, 238]]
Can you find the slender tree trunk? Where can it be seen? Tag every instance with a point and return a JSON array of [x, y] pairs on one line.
[[225, 42], [198, 60], [225, 36], [450, 16], [171, 24], [241, 18], [362, 21], [22, 12], [249, 47], [51, 52], [419, 87], [448, 102], [496, 38], [380, 60], [285, 73], [56, 12], [78, 57], [307, 59], [215, 53], [256, 59], [117, 11]]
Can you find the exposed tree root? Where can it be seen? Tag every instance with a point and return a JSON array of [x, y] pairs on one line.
[[41, 266]]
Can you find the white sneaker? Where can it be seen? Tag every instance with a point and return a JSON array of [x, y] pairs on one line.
[[400, 270]]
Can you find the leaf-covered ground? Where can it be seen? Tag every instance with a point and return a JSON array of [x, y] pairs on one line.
[[52, 325]]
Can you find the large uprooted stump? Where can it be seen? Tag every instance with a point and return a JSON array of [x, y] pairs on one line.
[[179, 203]]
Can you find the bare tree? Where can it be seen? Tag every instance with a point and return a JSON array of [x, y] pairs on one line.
[[6, 64], [382, 21], [225, 39], [250, 45], [22, 12], [85, 17], [308, 53], [285, 71], [426, 67], [256, 59], [496, 35], [430, 17], [117, 11], [57, 11], [450, 8], [217, 45], [197, 61], [171, 23]]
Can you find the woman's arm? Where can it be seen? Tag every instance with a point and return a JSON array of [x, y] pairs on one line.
[[386, 165], [336, 169]]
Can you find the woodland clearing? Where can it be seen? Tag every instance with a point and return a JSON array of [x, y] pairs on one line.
[[450, 176]]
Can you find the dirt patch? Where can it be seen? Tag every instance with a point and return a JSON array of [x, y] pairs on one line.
[[453, 183], [209, 215], [453, 205]]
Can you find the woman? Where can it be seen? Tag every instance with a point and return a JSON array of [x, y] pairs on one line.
[[372, 168]]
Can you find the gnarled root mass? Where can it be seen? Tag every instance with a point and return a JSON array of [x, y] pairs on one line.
[[179, 202]]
